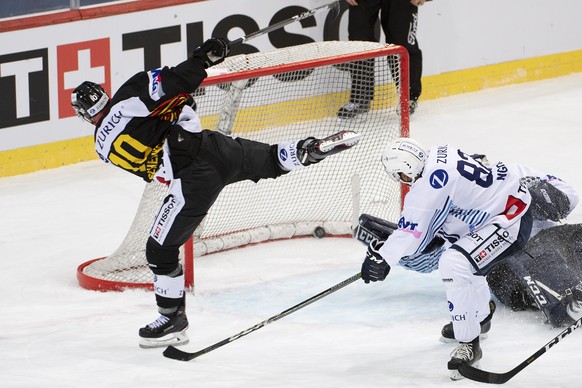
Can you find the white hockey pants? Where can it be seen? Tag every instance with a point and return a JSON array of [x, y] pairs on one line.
[[468, 295]]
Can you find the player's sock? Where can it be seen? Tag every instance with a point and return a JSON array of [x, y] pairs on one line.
[[448, 335]]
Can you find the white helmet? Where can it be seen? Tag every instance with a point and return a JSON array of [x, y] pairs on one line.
[[406, 156]]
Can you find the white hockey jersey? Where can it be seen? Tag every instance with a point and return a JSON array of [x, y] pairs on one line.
[[456, 195]]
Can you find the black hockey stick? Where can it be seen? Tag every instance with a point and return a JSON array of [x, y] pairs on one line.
[[331, 6], [500, 378], [176, 354]]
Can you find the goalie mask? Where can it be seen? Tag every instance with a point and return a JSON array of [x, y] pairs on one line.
[[404, 160], [88, 100]]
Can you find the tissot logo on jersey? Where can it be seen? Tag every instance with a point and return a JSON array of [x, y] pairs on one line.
[[168, 211], [494, 245]]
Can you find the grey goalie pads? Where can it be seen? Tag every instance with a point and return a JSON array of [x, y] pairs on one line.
[[546, 274]]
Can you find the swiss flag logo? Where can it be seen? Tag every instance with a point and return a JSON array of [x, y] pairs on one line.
[[78, 62]]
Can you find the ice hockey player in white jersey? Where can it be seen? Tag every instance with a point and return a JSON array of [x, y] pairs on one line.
[[483, 213]]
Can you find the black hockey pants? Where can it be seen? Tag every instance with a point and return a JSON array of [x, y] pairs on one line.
[[203, 164], [399, 23]]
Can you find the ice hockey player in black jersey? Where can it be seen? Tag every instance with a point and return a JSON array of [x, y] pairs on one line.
[[150, 129]]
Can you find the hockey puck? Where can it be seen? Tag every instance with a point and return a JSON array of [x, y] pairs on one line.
[[319, 232]]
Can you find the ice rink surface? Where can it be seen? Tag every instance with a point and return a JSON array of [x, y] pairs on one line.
[[55, 334]]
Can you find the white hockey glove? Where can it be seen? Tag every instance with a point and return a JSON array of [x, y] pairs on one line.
[[213, 51], [374, 267]]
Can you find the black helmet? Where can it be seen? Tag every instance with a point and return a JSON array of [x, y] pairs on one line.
[[88, 99]]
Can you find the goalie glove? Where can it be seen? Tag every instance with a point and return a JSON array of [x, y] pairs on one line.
[[213, 51], [374, 267], [548, 202]]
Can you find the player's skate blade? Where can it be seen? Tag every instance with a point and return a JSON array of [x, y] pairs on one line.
[[174, 339], [339, 142], [456, 375]]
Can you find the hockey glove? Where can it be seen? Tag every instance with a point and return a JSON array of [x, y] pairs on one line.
[[548, 202], [213, 51], [374, 267]]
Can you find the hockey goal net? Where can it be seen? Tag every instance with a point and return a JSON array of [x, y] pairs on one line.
[[289, 93]]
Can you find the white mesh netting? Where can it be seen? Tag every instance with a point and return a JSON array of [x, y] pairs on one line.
[[286, 94]]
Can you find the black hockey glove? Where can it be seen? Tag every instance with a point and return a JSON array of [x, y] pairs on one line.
[[548, 202], [374, 267], [213, 51]]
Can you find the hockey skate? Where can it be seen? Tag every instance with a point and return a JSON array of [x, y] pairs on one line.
[[165, 331], [448, 336], [413, 105], [312, 150], [467, 353], [354, 111]]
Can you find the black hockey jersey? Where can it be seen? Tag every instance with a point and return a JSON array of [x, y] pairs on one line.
[[132, 130]]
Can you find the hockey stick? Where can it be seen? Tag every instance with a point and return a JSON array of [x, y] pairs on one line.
[[176, 354], [355, 202], [499, 378], [334, 6]]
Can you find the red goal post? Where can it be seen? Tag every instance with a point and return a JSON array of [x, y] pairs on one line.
[[285, 94]]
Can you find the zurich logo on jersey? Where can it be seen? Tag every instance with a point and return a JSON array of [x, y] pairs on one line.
[[438, 179], [451, 307], [283, 154]]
